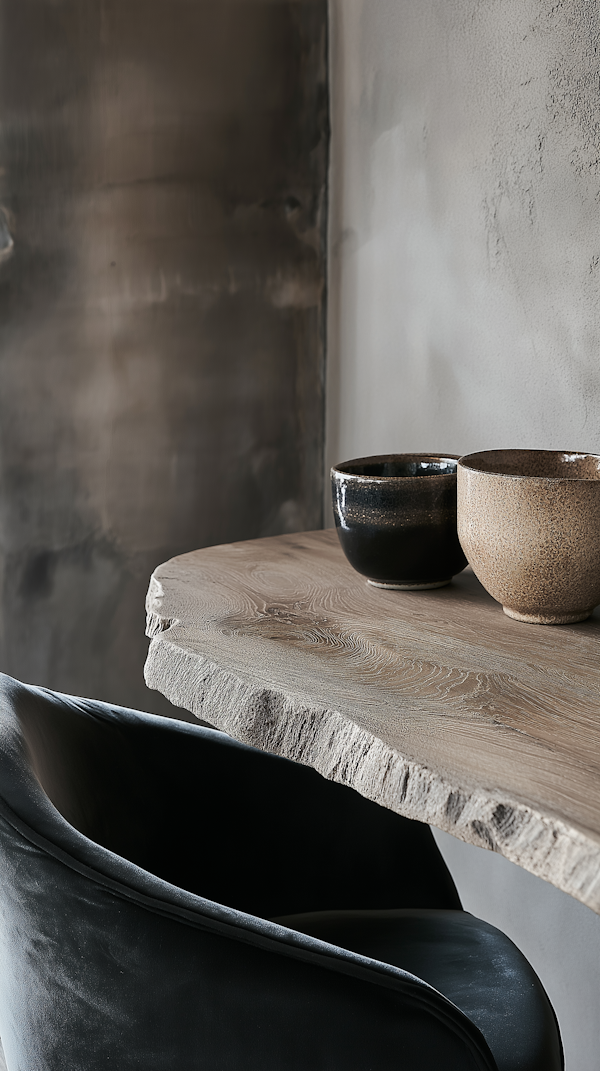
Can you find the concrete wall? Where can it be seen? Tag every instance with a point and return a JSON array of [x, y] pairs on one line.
[[163, 174], [464, 302]]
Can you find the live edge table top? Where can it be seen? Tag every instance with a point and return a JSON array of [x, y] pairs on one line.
[[432, 703]]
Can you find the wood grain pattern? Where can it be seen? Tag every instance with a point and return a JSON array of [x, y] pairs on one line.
[[432, 703]]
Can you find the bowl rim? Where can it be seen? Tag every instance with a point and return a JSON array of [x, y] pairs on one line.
[[339, 469], [464, 463]]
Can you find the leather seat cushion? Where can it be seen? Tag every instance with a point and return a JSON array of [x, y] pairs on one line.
[[473, 964]]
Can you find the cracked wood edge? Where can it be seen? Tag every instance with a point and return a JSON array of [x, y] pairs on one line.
[[286, 725]]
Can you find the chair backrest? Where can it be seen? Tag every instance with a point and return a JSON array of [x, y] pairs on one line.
[[105, 964], [225, 821]]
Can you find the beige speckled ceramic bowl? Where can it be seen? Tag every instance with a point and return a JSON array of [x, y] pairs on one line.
[[529, 524]]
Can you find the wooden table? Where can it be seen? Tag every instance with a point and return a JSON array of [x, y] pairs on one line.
[[432, 703]]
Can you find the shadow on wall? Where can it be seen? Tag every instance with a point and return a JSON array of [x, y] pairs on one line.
[[161, 310]]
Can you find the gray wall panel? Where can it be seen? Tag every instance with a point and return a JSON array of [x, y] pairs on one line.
[[161, 352]]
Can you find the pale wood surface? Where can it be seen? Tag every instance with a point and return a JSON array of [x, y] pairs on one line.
[[432, 703]]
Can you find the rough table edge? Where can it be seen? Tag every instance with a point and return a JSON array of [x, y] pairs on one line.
[[342, 751]]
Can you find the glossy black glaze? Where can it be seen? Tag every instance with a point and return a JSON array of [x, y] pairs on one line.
[[395, 516]]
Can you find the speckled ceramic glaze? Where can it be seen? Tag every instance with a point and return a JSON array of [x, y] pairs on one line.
[[396, 518], [529, 523]]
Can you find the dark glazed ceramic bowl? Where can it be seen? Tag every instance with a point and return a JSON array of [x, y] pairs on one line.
[[529, 523], [396, 519]]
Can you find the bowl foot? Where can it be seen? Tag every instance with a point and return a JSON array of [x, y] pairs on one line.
[[410, 587], [547, 619]]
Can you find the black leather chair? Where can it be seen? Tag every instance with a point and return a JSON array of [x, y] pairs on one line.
[[174, 901]]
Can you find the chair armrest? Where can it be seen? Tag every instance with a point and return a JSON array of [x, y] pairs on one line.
[[337, 1010], [106, 964]]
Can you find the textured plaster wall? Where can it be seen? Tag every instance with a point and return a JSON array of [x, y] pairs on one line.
[[163, 175], [465, 303], [465, 225]]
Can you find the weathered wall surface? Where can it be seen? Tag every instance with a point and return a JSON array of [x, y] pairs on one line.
[[465, 240], [465, 303], [163, 176]]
